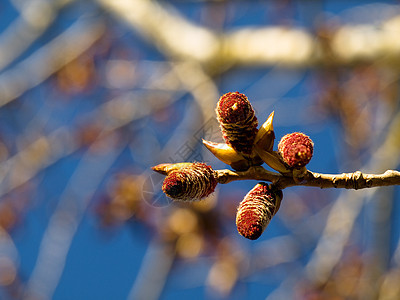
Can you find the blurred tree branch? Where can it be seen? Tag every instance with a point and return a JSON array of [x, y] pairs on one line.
[[48, 149], [35, 17], [66, 218], [156, 266], [255, 45], [49, 58]]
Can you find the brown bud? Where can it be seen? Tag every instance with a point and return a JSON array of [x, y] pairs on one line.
[[192, 182], [237, 121], [256, 210], [296, 149]]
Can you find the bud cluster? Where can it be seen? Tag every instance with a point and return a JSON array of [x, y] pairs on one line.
[[256, 210], [237, 121], [245, 146], [192, 182]]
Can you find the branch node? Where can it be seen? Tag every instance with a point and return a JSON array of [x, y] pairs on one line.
[[358, 180], [335, 182]]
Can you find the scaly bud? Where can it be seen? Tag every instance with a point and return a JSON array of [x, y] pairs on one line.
[[265, 136], [256, 210], [237, 121], [165, 169], [273, 160], [264, 143], [296, 149], [192, 182], [228, 155]]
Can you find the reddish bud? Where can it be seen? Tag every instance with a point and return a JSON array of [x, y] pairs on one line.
[[256, 210], [237, 121], [192, 182], [296, 149]]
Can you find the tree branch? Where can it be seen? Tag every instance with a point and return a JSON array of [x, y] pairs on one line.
[[267, 45], [356, 180]]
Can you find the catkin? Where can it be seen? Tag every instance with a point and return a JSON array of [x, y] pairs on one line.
[[296, 149], [237, 121], [193, 182], [256, 210]]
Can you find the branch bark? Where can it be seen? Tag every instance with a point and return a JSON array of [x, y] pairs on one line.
[[356, 180]]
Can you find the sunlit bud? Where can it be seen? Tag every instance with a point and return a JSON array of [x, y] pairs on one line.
[[273, 160], [265, 136], [256, 210], [296, 149], [166, 168], [237, 121], [228, 155], [192, 182]]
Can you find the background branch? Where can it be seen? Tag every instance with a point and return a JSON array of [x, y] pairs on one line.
[[39, 66], [35, 18], [295, 47]]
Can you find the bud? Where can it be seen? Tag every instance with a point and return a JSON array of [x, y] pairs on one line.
[[296, 149], [256, 210], [237, 121], [228, 155], [165, 169], [273, 160], [265, 136], [192, 182]]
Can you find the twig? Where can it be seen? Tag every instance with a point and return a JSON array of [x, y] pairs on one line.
[[356, 180]]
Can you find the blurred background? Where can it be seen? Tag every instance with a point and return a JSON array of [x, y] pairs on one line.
[[94, 93]]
